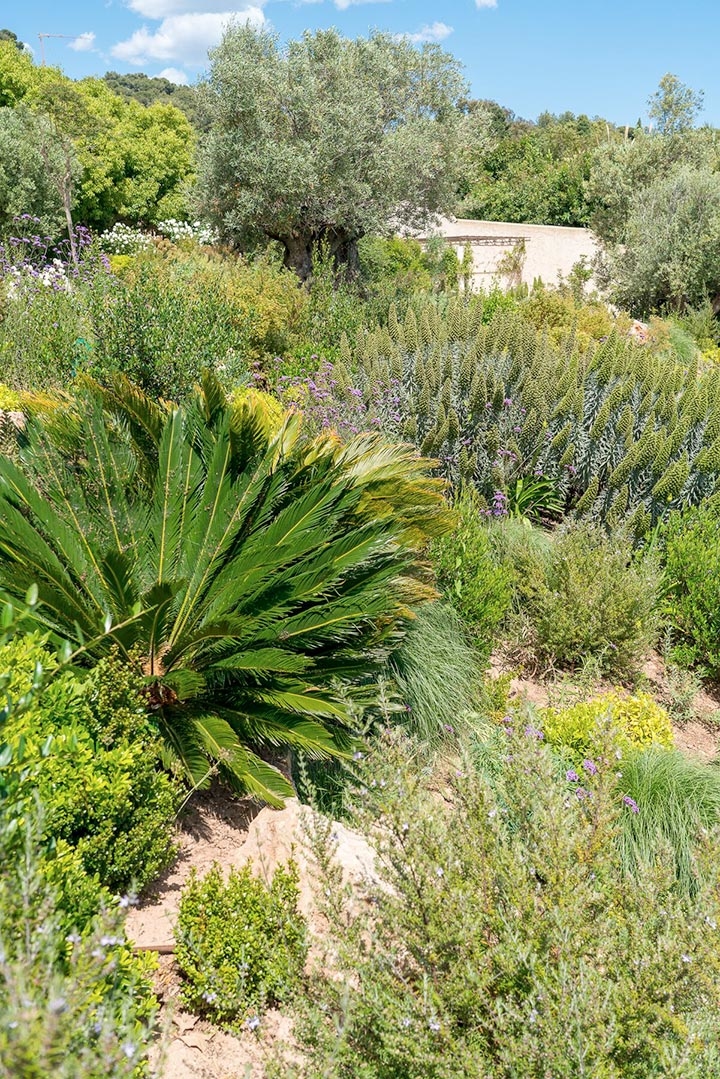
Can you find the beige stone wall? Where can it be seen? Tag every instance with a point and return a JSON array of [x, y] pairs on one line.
[[550, 249]]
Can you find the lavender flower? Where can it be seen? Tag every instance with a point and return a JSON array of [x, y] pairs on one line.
[[534, 732]]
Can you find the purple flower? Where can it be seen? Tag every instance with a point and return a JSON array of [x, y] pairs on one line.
[[572, 776], [631, 804], [534, 732], [590, 767], [582, 793]]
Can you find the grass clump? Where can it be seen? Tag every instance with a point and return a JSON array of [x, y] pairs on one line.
[[241, 944], [439, 676], [679, 800]]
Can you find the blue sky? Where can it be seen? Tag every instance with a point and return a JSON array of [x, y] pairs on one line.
[[601, 58]]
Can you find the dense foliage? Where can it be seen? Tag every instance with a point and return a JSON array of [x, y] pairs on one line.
[[477, 585], [613, 433], [241, 943], [225, 559], [692, 588], [507, 940], [535, 172], [74, 1000], [151, 90], [133, 162], [87, 750]]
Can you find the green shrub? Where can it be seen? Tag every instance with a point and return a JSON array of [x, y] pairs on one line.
[[560, 312], [86, 748], [76, 1005], [39, 338], [241, 945], [691, 592], [507, 940], [160, 324], [633, 722], [9, 399], [479, 588], [160, 317], [395, 260], [438, 675], [591, 599]]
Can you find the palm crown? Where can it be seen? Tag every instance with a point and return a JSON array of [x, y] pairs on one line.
[[244, 569]]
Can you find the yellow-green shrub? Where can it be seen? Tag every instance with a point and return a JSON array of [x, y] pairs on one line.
[[560, 314], [635, 722], [9, 399]]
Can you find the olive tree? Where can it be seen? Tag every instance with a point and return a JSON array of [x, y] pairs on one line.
[[33, 168], [328, 139], [674, 107], [670, 258]]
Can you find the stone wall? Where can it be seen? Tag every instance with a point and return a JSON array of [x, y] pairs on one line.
[[550, 249]]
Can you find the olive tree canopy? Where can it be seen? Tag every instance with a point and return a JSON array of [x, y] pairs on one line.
[[328, 139]]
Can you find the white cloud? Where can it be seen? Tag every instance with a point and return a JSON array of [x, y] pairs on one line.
[[84, 43], [186, 38], [485, 3], [343, 5], [163, 9], [174, 74], [436, 31]]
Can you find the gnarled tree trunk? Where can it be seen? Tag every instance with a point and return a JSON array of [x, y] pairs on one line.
[[342, 246]]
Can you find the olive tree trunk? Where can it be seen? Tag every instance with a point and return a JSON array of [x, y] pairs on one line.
[[342, 247]]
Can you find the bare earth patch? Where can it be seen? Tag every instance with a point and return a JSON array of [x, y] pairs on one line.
[[220, 828]]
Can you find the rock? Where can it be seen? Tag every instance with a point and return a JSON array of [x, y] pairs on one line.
[[275, 836], [270, 839]]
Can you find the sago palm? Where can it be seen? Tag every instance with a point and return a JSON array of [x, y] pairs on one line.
[[245, 571]]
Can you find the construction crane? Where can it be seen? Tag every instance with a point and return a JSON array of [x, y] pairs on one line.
[[42, 44]]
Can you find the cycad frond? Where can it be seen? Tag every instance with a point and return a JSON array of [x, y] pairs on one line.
[[247, 569]]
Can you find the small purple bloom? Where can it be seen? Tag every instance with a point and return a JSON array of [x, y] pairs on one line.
[[590, 767], [534, 732], [631, 803], [572, 776]]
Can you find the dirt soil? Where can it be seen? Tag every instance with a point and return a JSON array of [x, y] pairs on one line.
[[214, 829], [220, 829]]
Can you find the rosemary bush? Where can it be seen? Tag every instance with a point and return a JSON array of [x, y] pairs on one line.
[[508, 941]]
